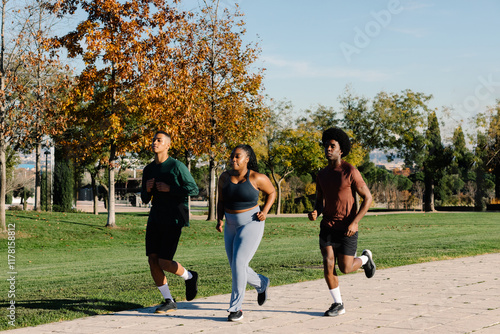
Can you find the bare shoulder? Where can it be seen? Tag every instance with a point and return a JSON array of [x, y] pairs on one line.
[[256, 176], [261, 182]]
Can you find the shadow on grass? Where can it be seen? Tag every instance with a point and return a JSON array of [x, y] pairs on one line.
[[138, 214], [84, 306], [72, 222]]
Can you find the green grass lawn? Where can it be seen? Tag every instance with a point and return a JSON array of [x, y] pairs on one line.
[[70, 265]]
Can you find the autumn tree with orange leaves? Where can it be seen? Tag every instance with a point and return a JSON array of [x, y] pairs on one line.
[[150, 66], [114, 101], [48, 82], [28, 100], [229, 106], [204, 90], [10, 91]]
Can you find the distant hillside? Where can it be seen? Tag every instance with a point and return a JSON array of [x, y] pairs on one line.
[[379, 158]]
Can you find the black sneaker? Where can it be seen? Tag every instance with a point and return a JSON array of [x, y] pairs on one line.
[[335, 310], [262, 297], [235, 316], [192, 286], [167, 306], [369, 266]]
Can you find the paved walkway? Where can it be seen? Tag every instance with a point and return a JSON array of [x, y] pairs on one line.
[[452, 296]]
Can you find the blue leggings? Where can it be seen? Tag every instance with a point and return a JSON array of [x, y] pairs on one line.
[[242, 236]]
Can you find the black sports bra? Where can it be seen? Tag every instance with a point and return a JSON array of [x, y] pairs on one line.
[[240, 196]]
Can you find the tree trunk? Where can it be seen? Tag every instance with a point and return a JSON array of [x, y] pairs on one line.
[[25, 200], [112, 156], [278, 197], [38, 178], [211, 191], [3, 183], [3, 144], [429, 193], [480, 180], [111, 189], [387, 196], [95, 198], [497, 181]]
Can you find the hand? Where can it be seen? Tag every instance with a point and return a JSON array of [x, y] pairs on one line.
[[163, 187], [313, 215], [150, 185], [352, 229], [220, 226], [327, 223], [261, 216]]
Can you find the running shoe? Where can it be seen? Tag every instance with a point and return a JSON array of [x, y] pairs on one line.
[[192, 286], [335, 310], [167, 306], [235, 316], [262, 297], [369, 266]]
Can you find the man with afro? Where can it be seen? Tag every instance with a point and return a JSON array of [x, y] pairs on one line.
[[336, 186]]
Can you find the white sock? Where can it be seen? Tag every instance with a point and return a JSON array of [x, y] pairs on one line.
[[364, 259], [187, 274], [337, 298], [165, 291]]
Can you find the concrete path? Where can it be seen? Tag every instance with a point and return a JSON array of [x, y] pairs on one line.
[[452, 296]]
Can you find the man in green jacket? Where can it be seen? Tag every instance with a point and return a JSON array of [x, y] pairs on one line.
[[167, 183]]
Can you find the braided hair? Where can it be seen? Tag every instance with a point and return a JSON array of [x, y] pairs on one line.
[[252, 162]]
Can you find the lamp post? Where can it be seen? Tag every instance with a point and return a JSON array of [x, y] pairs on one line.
[[47, 152]]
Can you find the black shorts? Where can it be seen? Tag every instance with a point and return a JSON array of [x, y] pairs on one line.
[[162, 237], [338, 240]]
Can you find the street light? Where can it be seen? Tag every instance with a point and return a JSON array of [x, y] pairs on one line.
[[47, 152]]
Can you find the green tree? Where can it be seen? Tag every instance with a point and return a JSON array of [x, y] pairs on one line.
[[402, 119], [12, 160], [267, 150], [487, 155], [394, 123], [435, 161], [481, 157], [367, 129], [448, 189], [493, 160], [320, 119], [287, 149], [24, 193], [63, 181], [462, 159]]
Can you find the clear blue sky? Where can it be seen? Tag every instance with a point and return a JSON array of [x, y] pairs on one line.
[[312, 49]]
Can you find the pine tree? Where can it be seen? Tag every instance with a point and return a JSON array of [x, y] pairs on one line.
[[63, 181]]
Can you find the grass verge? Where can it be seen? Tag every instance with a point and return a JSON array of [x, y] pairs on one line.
[[69, 265]]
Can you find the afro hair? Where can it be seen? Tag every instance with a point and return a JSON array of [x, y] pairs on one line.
[[340, 137]]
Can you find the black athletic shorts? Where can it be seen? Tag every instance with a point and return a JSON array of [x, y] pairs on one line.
[[162, 236], [338, 240]]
